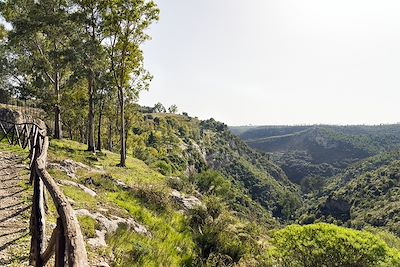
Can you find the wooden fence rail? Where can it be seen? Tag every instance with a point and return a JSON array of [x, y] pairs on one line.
[[66, 241]]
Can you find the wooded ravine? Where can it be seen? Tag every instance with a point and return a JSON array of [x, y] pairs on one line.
[[155, 186]]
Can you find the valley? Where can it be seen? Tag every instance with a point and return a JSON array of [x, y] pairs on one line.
[[116, 149]]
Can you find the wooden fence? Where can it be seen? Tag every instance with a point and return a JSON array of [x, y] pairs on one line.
[[66, 241]]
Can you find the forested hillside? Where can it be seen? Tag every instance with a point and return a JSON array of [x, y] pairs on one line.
[[194, 146], [153, 186], [365, 194], [309, 152]]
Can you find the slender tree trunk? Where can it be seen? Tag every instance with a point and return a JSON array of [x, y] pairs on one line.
[[82, 135], [91, 146], [57, 111], [110, 143], [99, 144], [122, 117]]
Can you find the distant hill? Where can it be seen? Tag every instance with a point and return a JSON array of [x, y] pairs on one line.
[[319, 150], [365, 194]]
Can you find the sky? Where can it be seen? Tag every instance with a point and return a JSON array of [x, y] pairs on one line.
[[265, 62]]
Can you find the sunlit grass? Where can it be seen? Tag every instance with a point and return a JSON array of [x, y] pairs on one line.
[[147, 202]]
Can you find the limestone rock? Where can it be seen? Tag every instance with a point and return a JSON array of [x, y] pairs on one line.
[[84, 188], [186, 202], [109, 226], [70, 167]]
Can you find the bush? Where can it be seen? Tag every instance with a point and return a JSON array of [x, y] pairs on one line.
[[211, 182], [330, 245], [152, 197], [162, 167]]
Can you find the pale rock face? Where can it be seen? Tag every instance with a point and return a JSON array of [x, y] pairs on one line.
[[69, 167], [109, 226], [84, 188], [186, 202]]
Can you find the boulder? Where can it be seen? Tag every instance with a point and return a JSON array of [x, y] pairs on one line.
[[186, 202], [109, 226]]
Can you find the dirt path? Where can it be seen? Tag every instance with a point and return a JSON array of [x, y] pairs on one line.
[[14, 211]]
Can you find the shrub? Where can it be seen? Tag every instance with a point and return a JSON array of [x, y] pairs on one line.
[[330, 245], [162, 167], [153, 197]]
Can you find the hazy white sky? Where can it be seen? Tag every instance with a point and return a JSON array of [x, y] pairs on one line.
[[278, 61]]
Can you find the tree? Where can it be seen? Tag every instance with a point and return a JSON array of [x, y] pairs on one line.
[[41, 35], [173, 109], [125, 22], [159, 108], [91, 55]]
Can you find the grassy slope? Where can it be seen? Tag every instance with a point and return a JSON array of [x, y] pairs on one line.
[[171, 244], [172, 241]]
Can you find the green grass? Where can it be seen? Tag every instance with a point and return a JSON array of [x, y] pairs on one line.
[[6, 147], [171, 243], [88, 226], [136, 171], [147, 202]]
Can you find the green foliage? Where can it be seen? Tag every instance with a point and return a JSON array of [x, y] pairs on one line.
[[330, 245], [88, 226], [170, 244], [173, 109], [222, 239], [312, 184], [366, 194], [158, 107]]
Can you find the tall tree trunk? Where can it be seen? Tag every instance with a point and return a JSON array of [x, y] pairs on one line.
[[110, 143], [122, 117], [57, 111], [82, 135], [91, 146], [99, 144]]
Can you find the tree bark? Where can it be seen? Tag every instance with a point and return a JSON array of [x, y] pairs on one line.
[[91, 145], [110, 143], [99, 144], [57, 111], [122, 134]]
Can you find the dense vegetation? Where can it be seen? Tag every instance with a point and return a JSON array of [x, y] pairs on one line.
[[313, 152], [366, 194], [179, 145], [197, 194], [329, 245]]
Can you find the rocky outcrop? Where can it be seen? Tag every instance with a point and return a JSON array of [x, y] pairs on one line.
[[70, 167], [84, 188], [109, 226], [187, 203]]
